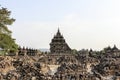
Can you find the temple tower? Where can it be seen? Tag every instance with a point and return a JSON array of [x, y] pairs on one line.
[[58, 44]]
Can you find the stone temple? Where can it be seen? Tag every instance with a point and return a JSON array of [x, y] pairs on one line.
[[58, 44]]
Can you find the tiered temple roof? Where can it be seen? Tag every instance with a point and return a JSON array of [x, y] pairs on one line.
[[58, 44]]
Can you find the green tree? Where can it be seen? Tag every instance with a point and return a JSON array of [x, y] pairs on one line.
[[6, 40], [74, 51]]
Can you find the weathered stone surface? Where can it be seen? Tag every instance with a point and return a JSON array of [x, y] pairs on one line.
[[85, 65]]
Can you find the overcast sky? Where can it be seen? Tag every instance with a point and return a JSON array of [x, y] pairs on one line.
[[84, 23]]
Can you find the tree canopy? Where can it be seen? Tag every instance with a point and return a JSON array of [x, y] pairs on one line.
[[6, 40]]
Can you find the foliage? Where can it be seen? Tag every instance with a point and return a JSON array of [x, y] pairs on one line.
[[6, 40], [74, 51], [5, 20]]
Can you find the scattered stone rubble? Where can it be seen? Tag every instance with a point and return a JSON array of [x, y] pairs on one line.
[[20, 68], [84, 65]]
